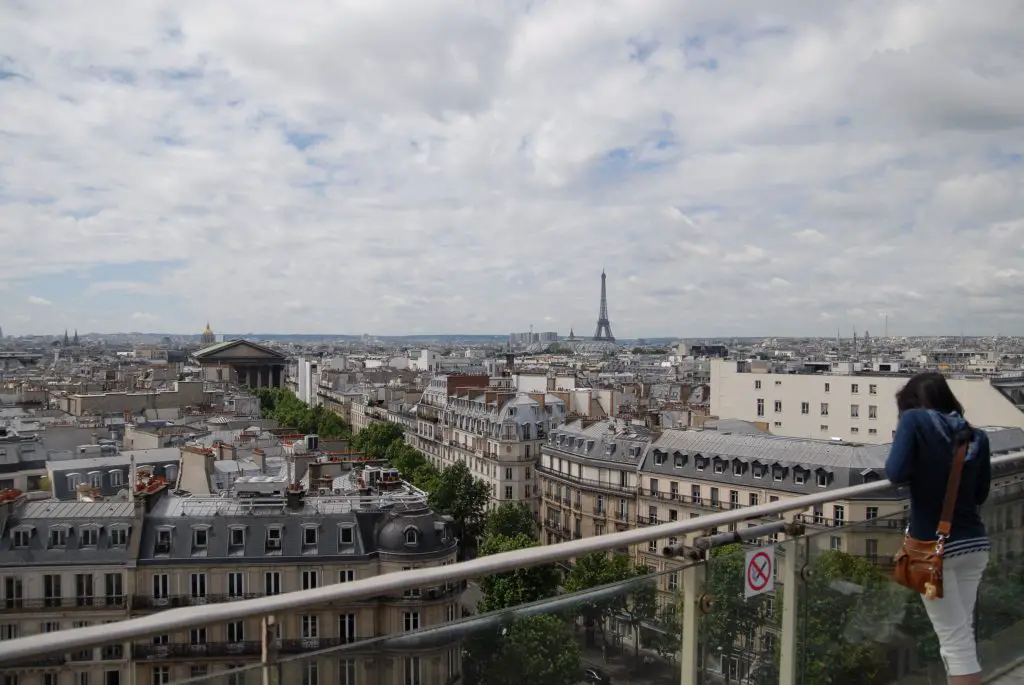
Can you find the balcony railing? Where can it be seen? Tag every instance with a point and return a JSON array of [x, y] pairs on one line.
[[31, 604], [850, 607], [586, 482]]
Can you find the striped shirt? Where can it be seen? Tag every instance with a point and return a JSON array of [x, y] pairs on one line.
[[958, 548]]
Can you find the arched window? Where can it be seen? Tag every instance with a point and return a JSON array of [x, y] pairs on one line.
[[412, 536]]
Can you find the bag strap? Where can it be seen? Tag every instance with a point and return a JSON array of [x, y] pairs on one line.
[[952, 488]]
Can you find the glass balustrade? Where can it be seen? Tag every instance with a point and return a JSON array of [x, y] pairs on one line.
[[826, 614]]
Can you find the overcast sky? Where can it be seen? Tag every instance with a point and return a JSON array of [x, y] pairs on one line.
[[435, 166]]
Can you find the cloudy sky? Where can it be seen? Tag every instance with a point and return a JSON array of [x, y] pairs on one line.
[[413, 166]]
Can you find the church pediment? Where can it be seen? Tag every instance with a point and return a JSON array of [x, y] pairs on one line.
[[238, 349]]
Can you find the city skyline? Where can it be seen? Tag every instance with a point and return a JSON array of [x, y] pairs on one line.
[[421, 168]]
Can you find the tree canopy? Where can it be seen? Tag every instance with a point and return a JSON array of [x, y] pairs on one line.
[[511, 519], [850, 606], [531, 649], [375, 439], [539, 650], [514, 588], [281, 405], [458, 494], [598, 569]]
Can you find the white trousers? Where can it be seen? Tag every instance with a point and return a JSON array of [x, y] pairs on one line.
[[952, 616]]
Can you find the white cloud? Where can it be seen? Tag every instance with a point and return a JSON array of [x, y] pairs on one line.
[[38, 301], [143, 316], [464, 166]]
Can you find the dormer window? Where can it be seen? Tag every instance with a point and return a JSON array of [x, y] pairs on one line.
[[309, 536], [699, 462], [89, 536], [659, 457], [96, 479], [719, 466], [74, 480], [778, 473], [21, 537], [200, 538], [822, 479], [116, 478], [412, 536], [118, 536], [58, 537], [236, 537], [737, 468], [346, 536], [757, 471], [274, 536], [799, 476], [163, 541], [678, 460]]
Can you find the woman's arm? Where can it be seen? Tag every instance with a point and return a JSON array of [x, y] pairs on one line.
[[899, 465], [984, 469]]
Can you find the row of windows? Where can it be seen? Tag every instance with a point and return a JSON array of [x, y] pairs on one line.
[[347, 673], [854, 387], [805, 408], [53, 590], [236, 583], [60, 534], [739, 468], [272, 541]]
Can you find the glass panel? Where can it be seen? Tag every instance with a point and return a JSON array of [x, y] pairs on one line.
[[856, 625], [588, 636], [738, 636]]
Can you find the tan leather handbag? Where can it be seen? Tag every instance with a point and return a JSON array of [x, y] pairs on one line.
[[919, 562]]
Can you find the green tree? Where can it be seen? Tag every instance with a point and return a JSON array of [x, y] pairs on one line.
[[289, 411], [511, 519], [514, 588], [850, 607], [538, 650], [413, 466], [598, 569], [458, 494], [731, 616], [375, 439], [640, 607]]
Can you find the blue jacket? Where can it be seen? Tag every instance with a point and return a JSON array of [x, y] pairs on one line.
[[921, 456]]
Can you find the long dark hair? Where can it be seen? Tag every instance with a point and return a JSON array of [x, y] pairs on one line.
[[928, 390]]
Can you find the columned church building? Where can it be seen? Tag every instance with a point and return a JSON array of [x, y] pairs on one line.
[[244, 362]]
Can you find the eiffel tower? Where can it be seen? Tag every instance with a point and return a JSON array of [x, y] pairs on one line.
[[604, 327]]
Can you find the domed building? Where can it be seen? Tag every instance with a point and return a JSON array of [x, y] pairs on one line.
[[208, 338]]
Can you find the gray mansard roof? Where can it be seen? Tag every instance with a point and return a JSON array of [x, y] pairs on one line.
[[340, 531], [602, 441], [779, 463], [29, 535], [796, 465], [164, 460]]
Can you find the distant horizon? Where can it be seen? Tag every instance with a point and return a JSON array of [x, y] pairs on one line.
[[489, 336]]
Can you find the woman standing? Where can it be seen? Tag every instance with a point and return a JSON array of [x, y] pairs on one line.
[[931, 424]]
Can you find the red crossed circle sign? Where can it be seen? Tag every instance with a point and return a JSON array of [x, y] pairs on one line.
[[759, 571]]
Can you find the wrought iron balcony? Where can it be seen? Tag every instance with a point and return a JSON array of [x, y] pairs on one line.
[[46, 604]]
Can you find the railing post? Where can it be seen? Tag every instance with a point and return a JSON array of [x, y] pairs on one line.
[[792, 580], [267, 649], [693, 586]]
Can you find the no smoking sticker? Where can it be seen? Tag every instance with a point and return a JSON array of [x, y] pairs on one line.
[[759, 572]]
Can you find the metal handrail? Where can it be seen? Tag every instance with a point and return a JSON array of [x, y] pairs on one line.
[[184, 618]]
